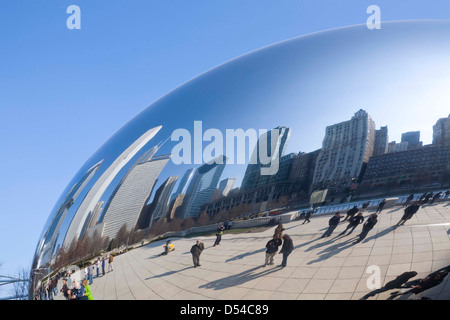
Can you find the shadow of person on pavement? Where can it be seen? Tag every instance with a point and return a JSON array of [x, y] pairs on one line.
[[239, 279], [333, 250]]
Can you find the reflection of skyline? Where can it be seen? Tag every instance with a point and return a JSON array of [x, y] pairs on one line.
[[295, 84]]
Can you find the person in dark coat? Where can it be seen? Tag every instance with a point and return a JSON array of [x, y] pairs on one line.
[[368, 225], [351, 213], [408, 200], [380, 206], [272, 249], [332, 224], [286, 249], [409, 212], [353, 223], [397, 283], [196, 250], [307, 216]]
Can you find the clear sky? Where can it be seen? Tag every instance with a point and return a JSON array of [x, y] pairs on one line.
[[64, 92]]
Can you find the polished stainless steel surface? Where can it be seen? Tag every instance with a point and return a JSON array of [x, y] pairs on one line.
[[294, 89]]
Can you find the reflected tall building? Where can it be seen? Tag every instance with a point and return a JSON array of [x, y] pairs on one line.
[[271, 144], [159, 207], [202, 187], [381, 141], [184, 182], [132, 194], [441, 132], [97, 190], [413, 139], [225, 186], [346, 148]]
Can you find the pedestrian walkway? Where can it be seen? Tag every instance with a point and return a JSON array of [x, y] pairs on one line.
[[329, 268]]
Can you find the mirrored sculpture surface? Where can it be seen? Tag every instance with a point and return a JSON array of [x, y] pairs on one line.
[[262, 131]]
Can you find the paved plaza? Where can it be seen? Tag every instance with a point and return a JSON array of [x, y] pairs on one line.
[[328, 268]]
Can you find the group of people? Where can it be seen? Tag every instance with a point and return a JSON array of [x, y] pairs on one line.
[[279, 239]]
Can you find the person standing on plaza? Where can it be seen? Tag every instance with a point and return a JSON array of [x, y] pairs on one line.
[[408, 200], [279, 230], [380, 206], [286, 249], [97, 264], [65, 289], [196, 250], [103, 265], [351, 213], [368, 225], [332, 224], [110, 262], [91, 274], [219, 234], [87, 290], [272, 249], [353, 223], [409, 212]]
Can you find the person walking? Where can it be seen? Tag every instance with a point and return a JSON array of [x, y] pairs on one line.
[[408, 200], [279, 230], [219, 234], [286, 249], [307, 216], [353, 223], [196, 250], [332, 224], [103, 265], [110, 262], [272, 249], [87, 290], [351, 213], [368, 225], [409, 212], [380, 206]]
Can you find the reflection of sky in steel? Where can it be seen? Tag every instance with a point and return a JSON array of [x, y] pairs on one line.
[[397, 74]]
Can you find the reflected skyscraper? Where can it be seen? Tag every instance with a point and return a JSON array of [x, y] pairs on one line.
[[160, 205], [184, 183], [102, 183], [271, 145], [225, 186], [132, 194], [202, 187], [347, 146]]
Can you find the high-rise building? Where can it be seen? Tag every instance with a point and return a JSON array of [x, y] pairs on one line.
[[302, 171], [413, 139], [266, 157], [103, 182], [132, 194], [183, 184], [202, 187], [347, 146], [381, 141], [160, 205], [397, 147], [225, 186], [441, 132]]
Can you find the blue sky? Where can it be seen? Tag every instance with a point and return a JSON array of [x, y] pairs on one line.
[[64, 92]]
